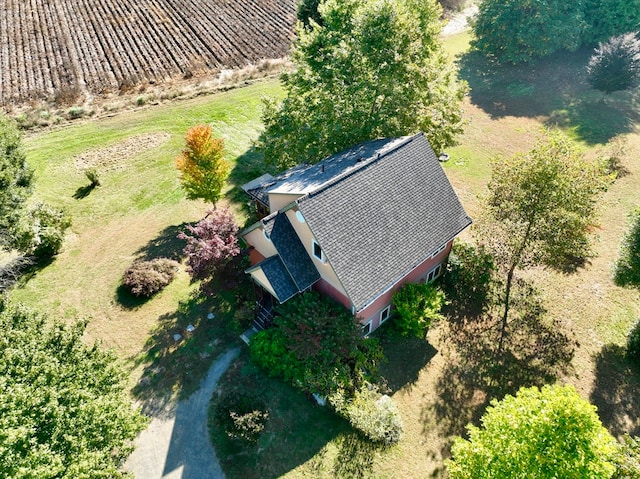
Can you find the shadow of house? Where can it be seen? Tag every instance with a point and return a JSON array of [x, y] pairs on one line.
[[615, 391], [406, 357], [553, 88]]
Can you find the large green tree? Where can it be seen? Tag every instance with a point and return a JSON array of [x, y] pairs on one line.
[[540, 209], [64, 412], [608, 18], [627, 269], [519, 31], [539, 433], [15, 178], [374, 68]]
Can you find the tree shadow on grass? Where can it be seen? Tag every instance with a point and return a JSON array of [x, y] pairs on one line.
[[406, 357], [296, 432], [555, 89], [249, 166], [536, 351], [615, 391], [165, 245], [184, 344], [84, 191]]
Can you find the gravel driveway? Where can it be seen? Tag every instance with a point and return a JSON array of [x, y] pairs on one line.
[[176, 444]]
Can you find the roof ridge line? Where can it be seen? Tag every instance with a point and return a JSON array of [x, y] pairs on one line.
[[333, 181]]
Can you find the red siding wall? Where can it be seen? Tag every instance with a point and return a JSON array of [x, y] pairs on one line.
[[255, 256], [323, 287], [372, 312]]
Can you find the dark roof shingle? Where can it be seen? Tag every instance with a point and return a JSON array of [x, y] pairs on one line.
[[382, 219]]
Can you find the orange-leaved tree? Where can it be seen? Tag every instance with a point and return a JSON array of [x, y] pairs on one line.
[[202, 166]]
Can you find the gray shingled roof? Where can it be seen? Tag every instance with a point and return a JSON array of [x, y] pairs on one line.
[[279, 278], [291, 251], [382, 219]]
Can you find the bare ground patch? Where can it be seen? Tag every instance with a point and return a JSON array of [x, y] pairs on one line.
[[116, 157]]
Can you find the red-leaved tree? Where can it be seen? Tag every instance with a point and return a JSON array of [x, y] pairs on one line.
[[211, 243]]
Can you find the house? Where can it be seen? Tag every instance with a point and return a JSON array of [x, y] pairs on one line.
[[356, 227]]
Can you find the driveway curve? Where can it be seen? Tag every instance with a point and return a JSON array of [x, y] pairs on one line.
[[176, 444]]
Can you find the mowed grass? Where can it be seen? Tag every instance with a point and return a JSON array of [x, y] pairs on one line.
[[136, 212], [140, 207]]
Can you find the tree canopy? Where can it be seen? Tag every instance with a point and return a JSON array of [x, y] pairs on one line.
[[372, 69], [15, 178], [627, 270], [202, 166], [64, 412], [541, 208], [518, 31], [539, 433]]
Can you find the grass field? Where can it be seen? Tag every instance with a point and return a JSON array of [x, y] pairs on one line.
[[139, 209]]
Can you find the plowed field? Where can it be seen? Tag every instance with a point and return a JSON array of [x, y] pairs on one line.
[[56, 48]]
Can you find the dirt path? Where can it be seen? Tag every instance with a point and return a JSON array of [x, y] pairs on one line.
[[176, 444]]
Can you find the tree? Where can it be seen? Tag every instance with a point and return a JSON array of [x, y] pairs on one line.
[[202, 166], [211, 243], [15, 178], [64, 411], [539, 433], [416, 307], [40, 231], [374, 68], [615, 65], [627, 270], [609, 18], [519, 31], [308, 11], [628, 458], [316, 345], [540, 209]]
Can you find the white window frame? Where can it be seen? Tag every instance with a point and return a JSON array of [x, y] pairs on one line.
[[439, 250], [366, 328], [322, 258], [434, 273], [383, 316]]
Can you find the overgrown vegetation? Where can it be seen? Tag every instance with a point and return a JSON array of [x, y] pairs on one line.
[[316, 345], [146, 278], [417, 306], [64, 411], [243, 417]]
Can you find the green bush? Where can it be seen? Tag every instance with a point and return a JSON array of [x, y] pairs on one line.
[[373, 414], [615, 65], [633, 342], [316, 345], [241, 416], [627, 269], [40, 231], [467, 281], [145, 278], [417, 306]]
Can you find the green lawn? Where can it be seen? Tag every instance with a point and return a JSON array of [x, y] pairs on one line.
[[139, 208]]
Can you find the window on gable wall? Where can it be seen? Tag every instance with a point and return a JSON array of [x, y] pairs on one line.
[[366, 328], [317, 251]]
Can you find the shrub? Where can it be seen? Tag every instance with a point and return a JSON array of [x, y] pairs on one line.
[[373, 414], [467, 281], [615, 64], [316, 345], [627, 461], [633, 342], [416, 307], [627, 269], [145, 278], [40, 231], [241, 416], [211, 243], [92, 176]]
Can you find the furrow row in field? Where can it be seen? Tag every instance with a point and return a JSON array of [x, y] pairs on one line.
[[57, 49]]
